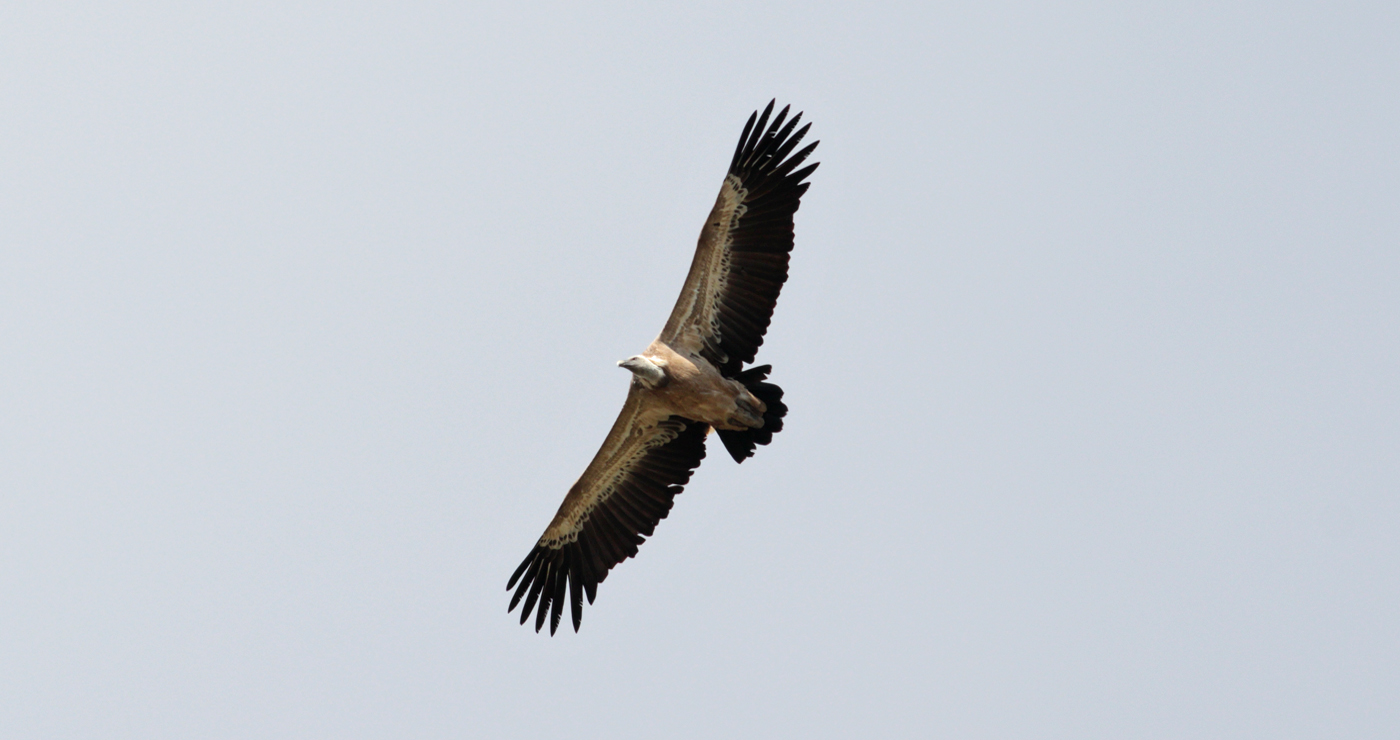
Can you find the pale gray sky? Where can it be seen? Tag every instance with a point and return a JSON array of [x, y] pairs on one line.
[[309, 316]]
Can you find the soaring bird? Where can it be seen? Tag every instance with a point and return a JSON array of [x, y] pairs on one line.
[[690, 380]]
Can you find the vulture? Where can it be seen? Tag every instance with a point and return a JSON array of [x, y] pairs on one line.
[[687, 382]]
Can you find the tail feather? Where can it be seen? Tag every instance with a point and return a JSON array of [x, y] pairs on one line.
[[741, 443]]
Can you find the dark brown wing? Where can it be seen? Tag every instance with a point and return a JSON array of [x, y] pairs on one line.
[[741, 261], [612, 509]]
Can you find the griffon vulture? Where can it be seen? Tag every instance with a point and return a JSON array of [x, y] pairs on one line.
[[687, 382]]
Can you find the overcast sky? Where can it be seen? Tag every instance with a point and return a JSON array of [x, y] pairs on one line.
[[309, 316]]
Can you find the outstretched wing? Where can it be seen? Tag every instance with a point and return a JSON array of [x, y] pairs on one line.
[[741, 261], [646, 459]]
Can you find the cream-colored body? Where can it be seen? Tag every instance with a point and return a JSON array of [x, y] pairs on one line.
[[693, 388]]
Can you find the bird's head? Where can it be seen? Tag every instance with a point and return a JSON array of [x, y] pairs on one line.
[[648, 372]]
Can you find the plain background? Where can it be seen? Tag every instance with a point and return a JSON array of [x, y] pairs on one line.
[[309, 316]]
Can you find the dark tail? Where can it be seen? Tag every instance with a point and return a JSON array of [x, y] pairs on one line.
[[741, 444]]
